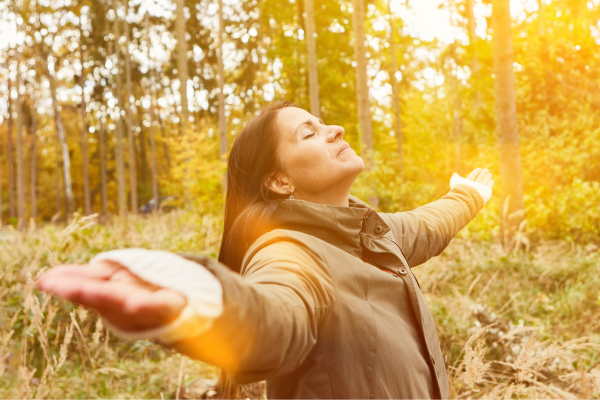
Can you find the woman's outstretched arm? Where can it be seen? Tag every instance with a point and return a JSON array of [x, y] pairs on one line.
[[253, 327], [426, 231]]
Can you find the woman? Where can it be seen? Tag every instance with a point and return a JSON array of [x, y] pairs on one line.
[[318, 296]]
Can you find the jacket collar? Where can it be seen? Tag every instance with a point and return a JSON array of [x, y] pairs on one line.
[[337, 225]]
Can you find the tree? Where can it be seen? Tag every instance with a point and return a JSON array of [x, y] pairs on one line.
[[152, 118], [102, 140], [182, 59], [221, 72], [128, 105], [311, 49], [511, 187], [122, 194], [457, 109], [34, 125], [362, 88], [395, 92], [62, 138], [19, 147], [473, 39], [9, 148], [84, 128]]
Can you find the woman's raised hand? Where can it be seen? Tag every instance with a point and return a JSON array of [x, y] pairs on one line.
[[482, 176], [119, 296]]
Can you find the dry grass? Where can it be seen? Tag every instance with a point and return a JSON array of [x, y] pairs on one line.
[[519, 325]]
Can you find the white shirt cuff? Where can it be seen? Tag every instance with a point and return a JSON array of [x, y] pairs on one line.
[[202, 290], [483, 190]]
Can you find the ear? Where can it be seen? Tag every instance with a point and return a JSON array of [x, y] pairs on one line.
[[278, 184]]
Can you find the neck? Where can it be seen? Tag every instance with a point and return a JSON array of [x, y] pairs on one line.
[[335, 196]]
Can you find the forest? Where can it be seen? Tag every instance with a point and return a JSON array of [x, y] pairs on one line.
[[117, 117]]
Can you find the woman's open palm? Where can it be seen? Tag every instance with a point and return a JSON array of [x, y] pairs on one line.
[[482, 176], [118, 295]]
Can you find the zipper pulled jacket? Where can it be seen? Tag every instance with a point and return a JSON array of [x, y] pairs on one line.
[[327, 306]]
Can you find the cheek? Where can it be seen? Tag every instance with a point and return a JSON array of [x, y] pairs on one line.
[[306, 163]]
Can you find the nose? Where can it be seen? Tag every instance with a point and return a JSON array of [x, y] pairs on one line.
[[336, 133]]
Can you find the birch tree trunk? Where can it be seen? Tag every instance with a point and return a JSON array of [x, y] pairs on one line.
[[511, 187], [457, 113], [57, 173], [475, 66], [311, 48], [102, 140], [182, 60], [9, 156], [152, 124], [34, 162], [362, 88], [396, 94], [128, 105], [60, 132], [221, 71], [19, 147], [84, 130], [122, 190]]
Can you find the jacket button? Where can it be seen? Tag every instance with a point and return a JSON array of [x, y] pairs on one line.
[[378, 229], [402, 271], [433, 360]]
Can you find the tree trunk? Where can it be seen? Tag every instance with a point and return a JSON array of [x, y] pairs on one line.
[[541, 18], [19, 134], [34, 162], [9, 157], [152, 124], [102, 140], [128, 105], [153, 156], [311, 48], [475, 66], [57, 173], [153, 146], [165, 146], [362, 88], [84, 130], [456, 100], [60, 132], [142, 158], [511, 187], [396, 94], [182, 59], [119, 156], [221, 70], [259, 43]]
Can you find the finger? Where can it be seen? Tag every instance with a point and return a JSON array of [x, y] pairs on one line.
[[129, 306], [482, 175], [486, 180], [490, 184], [99, 270], [474, 174]]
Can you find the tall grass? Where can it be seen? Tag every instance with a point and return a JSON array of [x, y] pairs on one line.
[[511, 324]]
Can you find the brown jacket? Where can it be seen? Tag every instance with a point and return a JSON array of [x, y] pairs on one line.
[[328, 307]]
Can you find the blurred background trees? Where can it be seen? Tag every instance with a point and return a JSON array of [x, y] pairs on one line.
[[108, 104]]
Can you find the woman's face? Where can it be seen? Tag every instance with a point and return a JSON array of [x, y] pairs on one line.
[[317, 164]]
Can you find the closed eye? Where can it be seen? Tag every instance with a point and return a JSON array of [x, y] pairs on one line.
[[312, 133]]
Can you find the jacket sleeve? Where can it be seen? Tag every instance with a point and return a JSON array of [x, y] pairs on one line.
[[270, 315], [426, 231]]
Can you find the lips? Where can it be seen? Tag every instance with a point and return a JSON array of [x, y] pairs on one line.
[[345, 146]]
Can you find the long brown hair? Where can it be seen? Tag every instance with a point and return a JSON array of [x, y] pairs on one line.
[[249, 205]]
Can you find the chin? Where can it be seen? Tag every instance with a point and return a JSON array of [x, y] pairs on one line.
[[358, 164]]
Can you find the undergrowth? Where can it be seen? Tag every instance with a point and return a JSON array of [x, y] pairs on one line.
[[511, 324]]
